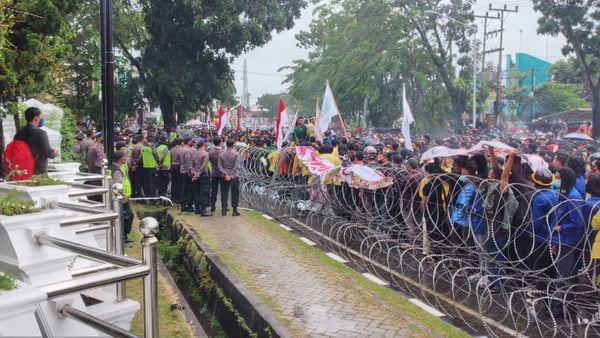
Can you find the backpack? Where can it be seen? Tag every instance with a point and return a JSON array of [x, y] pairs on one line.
[[19, 163]]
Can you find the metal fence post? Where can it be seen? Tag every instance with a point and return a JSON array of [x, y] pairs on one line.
[[117, 225], [148, 228]]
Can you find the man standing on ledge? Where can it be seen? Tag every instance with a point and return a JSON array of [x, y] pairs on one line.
[[37, 139], [229, 163]]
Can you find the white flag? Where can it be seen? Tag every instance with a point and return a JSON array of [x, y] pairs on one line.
[[328, 109], [407, 119]]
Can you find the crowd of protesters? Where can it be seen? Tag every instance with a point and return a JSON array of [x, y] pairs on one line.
[[490, 210]]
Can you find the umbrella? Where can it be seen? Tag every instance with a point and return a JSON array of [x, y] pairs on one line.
[[438, 151], [535, 162], [578, 136]]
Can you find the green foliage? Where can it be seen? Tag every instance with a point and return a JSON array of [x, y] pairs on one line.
[[68, 127], [186, 61], [271, 102], [11, 204], [387, 45], [8, 282], [40, 180], [577, 21], [552, 97]]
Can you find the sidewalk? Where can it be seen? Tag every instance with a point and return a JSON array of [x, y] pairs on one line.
[[307, 292]]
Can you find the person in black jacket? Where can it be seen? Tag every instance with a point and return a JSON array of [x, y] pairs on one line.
[[37, 139]]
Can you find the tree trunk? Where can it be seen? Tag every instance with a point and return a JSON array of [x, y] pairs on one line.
[[167, 111], [596, 112]]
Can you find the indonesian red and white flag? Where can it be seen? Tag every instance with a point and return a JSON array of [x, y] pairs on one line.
[[282, 121], [223, 120]]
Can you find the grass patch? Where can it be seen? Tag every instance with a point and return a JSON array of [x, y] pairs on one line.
[[172, 323]]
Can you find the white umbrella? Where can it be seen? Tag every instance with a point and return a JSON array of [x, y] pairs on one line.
[[578, 136], [439, 151]]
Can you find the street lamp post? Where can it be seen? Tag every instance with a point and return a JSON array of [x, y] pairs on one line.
[[431, 12]]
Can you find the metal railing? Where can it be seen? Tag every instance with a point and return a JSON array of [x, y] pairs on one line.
[[116, 268]]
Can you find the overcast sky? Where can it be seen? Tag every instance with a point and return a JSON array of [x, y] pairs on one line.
[[519, 37]]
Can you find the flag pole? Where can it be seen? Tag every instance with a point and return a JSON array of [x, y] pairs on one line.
[[343, 124]]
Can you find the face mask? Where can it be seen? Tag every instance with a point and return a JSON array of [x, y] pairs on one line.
[[381, 161], [462, 179], [41, 122]]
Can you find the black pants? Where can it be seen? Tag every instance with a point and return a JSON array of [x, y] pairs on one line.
[[186, 196], [95, 170], [234, 186], [136, 182], [215, 183], [148, 176], [163, 177], [127, 218], [202, 192], [175, 182]]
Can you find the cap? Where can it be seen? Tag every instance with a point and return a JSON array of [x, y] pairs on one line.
[[117, 155], [200, 142], [187, 139], [79, 137], [98, 134]]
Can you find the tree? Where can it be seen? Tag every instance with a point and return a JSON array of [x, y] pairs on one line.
[[271, 102], [191, 43], [552, 97], [578, 22], [386, 44]]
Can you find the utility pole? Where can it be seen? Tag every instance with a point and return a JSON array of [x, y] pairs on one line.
[[483, 51], [485, 34], [245, 95], [499, 87]]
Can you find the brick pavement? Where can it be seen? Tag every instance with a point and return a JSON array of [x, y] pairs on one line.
[[307, 292]]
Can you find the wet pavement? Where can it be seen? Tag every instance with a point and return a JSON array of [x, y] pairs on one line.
[[307, 292]]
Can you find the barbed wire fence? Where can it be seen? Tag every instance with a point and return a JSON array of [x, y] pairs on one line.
[[494, 280]]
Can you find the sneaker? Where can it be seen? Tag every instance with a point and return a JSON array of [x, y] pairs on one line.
[[205, 213]]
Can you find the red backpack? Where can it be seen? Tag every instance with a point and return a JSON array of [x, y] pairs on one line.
[[19, 163]]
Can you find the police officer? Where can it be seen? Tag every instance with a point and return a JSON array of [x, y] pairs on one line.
[[164, 166], [201, 179], [185, 182], [149, 164]]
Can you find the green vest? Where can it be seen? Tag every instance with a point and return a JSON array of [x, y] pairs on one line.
[[164, 155], [148, 160], [172, 136], [125, 180]]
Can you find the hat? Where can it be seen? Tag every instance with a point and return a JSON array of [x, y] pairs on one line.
[[187, 139], [99, 134], [200, 142], [542, 176], [79, 137]]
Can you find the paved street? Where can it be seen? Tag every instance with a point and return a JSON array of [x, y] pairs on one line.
[[307, 292]]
